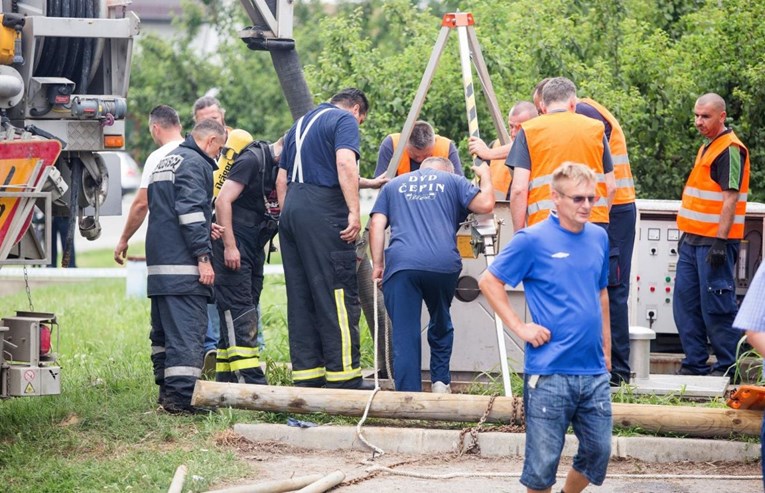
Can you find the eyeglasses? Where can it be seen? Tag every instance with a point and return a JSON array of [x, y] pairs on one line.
[[579, 199]]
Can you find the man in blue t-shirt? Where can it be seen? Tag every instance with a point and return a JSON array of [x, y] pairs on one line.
[[563, 264], [318, 189], [423, 209]]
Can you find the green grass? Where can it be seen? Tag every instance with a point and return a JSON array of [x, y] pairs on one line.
[[103, 432]]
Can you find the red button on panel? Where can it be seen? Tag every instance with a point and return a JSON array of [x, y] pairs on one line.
[[652, 288], [667, 289]]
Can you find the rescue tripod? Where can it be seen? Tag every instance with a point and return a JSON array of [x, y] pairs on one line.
[[484, 227]]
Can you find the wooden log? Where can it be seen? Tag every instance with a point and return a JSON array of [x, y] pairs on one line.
[[176, 486], [684, 420], [275, 486], [324, 484]]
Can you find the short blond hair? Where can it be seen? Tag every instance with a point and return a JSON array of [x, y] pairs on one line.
[[575, 172]]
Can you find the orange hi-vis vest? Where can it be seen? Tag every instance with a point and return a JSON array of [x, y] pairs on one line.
[[553, 139], [625, 184], [702, 203], [500, 175], [440, 149]]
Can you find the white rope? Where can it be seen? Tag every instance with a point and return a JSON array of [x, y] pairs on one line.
[[376, 451], [412, 474]]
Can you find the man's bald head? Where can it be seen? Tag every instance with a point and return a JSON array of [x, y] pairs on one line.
[[713, 100], [519, 113], [709, 115]]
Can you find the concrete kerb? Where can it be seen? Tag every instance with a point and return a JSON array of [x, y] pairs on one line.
[[493, 444]]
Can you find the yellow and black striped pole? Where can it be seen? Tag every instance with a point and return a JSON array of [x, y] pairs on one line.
[[461, 22]]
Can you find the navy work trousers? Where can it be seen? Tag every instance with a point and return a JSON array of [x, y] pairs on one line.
[[237, 295], [323, 307], [404, 293], [621, 239], [704, 306], [178, 325]]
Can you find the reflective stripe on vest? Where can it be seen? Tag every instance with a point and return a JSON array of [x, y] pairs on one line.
[[172, 270], [191, 218], [553, 139], [625, 183], [440, 149], [183, 371], [703, 198]]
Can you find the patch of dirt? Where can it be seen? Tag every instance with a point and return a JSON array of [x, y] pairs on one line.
[[274, 461]]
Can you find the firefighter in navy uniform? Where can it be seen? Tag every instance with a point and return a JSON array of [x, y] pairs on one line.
[[180, 273], [318, 228], [238, 258]]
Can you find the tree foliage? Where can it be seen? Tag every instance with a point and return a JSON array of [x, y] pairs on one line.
[[646, 60]]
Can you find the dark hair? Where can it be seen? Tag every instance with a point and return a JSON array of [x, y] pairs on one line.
[[538, 88], [422, 135], [206, 102], [164, 116], [351, 96], [209, 126]]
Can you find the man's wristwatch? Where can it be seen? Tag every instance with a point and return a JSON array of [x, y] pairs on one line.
[[204, 259]]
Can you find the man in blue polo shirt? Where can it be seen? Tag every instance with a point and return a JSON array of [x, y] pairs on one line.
[[318, 188], [423, 209], [563, 264]]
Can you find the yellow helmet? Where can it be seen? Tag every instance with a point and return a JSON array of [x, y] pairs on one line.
[[236, 141]]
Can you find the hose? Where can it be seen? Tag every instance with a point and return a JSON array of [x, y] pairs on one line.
[[74, 199], [70, 58]]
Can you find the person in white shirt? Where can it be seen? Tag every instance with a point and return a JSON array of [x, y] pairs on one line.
[[165, 128]]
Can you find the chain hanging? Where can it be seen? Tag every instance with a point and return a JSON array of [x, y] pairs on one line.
[[29, 292]]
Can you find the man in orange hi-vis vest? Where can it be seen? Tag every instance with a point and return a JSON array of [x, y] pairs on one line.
[[711, 218], [621, 233], [497, 153], [546, 142], [423, 143]]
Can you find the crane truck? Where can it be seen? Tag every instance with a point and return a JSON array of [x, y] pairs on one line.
[[64, 75]]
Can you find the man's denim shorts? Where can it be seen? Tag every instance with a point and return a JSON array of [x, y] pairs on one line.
[[552, 403]]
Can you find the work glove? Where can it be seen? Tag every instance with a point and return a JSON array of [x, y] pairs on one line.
[[716, 255]]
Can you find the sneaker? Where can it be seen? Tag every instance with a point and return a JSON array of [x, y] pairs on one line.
[[684, 370], [440, 388], [208, 366]]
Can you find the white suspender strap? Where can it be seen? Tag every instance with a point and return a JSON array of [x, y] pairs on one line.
[[297, 167]]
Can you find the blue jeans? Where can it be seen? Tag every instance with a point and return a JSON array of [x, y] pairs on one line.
[[404, 293], [762, 451], [554, 402], [621, 239], [213, 329], [704, 306]]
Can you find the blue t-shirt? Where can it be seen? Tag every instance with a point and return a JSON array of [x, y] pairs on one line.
[[424, 209], [563, 274], [333, 130]]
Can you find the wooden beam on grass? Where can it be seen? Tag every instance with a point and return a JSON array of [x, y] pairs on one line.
[[681, 420]]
